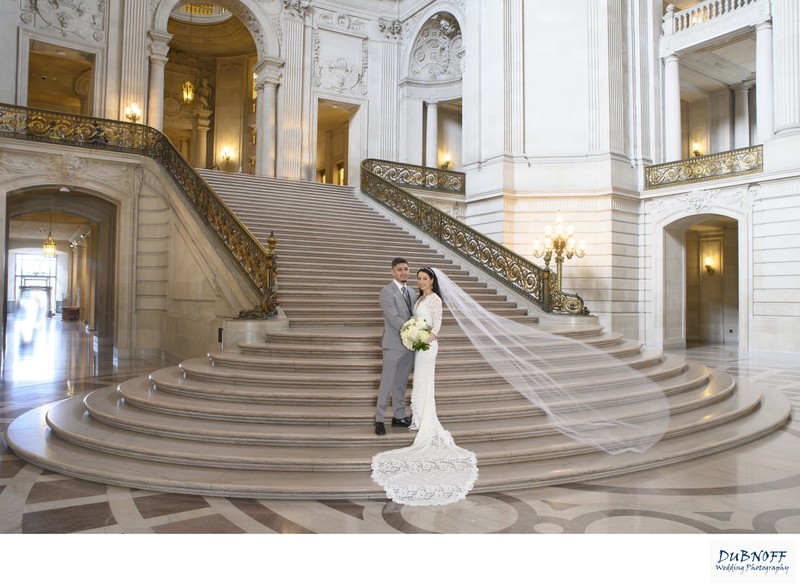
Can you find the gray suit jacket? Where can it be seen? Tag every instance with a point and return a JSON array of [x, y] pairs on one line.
[[395, 314]]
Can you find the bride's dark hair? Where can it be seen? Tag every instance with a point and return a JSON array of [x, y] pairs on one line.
[[434, 282]]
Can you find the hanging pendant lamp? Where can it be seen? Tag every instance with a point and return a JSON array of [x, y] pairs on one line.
[[49, 245]]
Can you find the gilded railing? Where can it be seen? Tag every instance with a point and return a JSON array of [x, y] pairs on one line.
[[256, 263], [504, 265], [705, 168], [420, 178]]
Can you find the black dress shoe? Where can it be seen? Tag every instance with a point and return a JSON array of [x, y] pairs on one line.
[[380, 429], [403, 423]]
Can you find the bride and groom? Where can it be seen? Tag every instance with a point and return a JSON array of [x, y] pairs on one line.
[[433, 470]]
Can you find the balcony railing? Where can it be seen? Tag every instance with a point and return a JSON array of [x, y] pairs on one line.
[[256, 263], [502, 264], [705, 168], [704, 12]]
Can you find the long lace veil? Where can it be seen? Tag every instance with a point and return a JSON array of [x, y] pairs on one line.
[[587, 394]]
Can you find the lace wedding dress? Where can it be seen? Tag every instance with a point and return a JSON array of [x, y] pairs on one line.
[[433, 470]]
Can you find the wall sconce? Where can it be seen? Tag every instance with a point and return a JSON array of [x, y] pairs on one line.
[[446, 161], [133, 112], [696, 150], [225, 155], [709, 266]]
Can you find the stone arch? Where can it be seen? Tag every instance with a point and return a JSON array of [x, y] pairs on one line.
[[254, 15]]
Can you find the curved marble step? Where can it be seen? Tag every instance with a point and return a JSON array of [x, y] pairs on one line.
[[170, 380], [697, 389], [28, 436], [650, 362], [277, 447]]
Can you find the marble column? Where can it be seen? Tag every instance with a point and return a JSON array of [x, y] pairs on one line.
[[741, 123], [265, 129], [765, 110], [786, 55], [268, 74], [672, 109], [201, 138], [159, 47], [432, 134]]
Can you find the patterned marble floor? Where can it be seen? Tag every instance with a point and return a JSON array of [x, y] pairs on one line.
[[752, 490]]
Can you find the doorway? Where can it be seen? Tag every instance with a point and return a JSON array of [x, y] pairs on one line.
[[333, 138], [701, 279]]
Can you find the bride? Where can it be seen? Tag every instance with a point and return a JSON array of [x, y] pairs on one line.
[[433, 470]]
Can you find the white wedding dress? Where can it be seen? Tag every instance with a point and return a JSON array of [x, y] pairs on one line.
[[433, 470]]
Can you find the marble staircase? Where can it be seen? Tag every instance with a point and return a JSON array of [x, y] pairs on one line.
[[290, 417]]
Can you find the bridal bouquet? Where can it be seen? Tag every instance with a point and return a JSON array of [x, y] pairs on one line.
[[416, 334]]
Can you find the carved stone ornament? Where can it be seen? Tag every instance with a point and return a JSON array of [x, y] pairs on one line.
[[342, 73], [343, 21], [698, 202], [74, 19], [438, 50], [296, 8], [391, 29]]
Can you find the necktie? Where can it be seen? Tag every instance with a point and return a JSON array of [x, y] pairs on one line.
[[407, 298]]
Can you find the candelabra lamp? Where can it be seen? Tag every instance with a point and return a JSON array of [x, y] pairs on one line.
[[558, 243]]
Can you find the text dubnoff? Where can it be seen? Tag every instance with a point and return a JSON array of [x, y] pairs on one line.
[[754, 562]]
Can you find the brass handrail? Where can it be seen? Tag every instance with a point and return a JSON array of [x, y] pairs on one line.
[[257, 264], [705, 168], [500, 263]]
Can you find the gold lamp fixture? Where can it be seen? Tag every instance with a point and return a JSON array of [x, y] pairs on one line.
[[446, 161], [559, 243], [709, 263], [225, 155], [49, 245], [696, 150], [133, 112]]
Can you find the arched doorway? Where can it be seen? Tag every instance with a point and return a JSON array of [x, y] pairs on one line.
[[82, 279], [701, 281], [209, 94]]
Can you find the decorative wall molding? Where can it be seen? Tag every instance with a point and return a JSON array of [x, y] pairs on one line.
[[343, 22], [340, 62], [66, 168], [699, 202], [83, 20]]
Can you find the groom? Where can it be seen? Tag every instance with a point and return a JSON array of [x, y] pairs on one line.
[[397, 302]]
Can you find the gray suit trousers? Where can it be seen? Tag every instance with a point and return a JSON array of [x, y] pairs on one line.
[[397, 365]]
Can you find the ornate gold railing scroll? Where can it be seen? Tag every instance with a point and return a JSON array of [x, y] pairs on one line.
[[257, 264], [705, 168], [502, 264]]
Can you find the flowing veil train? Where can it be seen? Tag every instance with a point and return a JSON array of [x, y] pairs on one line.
[[633, 414]]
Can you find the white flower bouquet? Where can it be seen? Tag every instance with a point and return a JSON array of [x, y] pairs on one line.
[[416, 334]]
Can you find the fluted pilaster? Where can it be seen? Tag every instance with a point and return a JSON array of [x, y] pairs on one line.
[[515, 77], [133, 84], [290, 132]]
